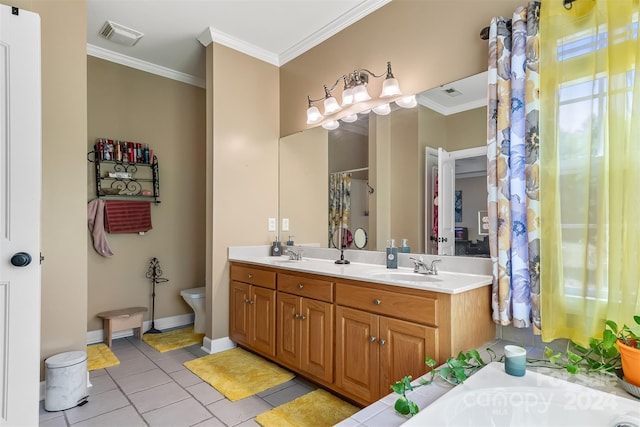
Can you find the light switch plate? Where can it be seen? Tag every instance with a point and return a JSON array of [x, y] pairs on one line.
[[272, 224], [285, 224]]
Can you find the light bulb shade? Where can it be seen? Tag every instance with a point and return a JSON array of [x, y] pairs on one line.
[[350, 118], [390, 87], [360, 94], [407, 101], [331, 106], [331, 125], [347, 97], [382, 110], [313, 115]]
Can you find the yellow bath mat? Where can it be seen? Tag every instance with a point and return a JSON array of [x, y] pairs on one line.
[[167, 341], [318, 408], [237, 373], [100, 356]]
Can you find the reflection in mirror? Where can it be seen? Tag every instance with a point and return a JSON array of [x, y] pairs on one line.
[[360, 238], [348, 177], [390, 175]]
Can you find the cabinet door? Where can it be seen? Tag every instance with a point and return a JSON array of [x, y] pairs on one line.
[[239, 298], [263, 322], [403, 348], [317, 339], [288, 329], [357, 351]]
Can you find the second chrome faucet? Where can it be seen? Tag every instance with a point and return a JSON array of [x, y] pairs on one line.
[[419, 264]]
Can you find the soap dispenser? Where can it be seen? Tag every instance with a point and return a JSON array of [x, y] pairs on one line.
[[392, 254], [276, 247], [405, 249]]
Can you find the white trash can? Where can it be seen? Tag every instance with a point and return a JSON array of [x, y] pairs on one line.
[[65, 380]]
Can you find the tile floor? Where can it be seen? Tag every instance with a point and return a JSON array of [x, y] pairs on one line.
[[155, 389]]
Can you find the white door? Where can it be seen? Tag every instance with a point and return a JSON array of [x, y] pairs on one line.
[[446, 188], [20, 176]]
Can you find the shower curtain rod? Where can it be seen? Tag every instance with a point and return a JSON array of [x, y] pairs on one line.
[[484, 33], [351, 170]]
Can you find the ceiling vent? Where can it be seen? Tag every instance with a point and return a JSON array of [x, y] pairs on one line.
[[120, 34], [452, 92]]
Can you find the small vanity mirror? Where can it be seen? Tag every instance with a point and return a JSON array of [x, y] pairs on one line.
[[360, 238]]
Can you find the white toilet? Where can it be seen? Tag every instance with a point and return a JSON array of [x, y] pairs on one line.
[[196, 299]]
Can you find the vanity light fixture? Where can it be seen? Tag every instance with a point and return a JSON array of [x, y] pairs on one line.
[[355, 93]]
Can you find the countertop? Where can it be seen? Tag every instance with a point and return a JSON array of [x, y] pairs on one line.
[[444, 282]]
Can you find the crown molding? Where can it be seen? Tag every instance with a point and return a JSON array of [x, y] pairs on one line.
[[211, 35], [447, 111], [317, 37], [141, 65]]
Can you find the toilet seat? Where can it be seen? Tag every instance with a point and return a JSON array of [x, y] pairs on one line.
[[194, 293]]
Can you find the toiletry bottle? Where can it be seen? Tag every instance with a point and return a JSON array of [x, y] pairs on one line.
[[276, 247], [392, 254], [290, 241], [405, 249], [146, 154]]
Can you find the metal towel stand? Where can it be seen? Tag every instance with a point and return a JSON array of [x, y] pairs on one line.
[[153, 273]]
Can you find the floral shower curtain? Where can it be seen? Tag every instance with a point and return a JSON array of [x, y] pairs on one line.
[[339, 205], [513, 165]]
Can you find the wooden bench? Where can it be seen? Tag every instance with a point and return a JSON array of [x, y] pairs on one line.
[[119, 320]]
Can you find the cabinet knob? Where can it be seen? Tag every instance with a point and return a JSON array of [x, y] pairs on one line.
[[300, 286], [247, 301], [250, 276], [372, 338], [382, 341], [251, 301], [303, 317], [377, 301], [296, 316]]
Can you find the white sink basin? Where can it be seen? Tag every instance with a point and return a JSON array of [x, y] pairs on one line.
[[493, 398], [285, 261], [401, 276]]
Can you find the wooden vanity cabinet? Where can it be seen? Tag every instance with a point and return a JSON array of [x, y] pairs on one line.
[[252, 311], [305, 325], [374, 350], [357, 338]]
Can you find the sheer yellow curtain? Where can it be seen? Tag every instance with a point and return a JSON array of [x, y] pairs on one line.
[[590, 164]]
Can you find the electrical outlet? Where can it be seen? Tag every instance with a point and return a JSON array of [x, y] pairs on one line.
[[285, 224], [272, 224]]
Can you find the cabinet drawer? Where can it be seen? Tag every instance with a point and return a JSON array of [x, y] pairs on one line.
[[254, 276], [415, 308], [312, 288]]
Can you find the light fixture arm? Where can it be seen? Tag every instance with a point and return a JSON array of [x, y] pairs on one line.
[[355, 92]]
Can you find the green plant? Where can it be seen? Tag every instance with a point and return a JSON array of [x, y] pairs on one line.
[[455, 371], [601, 356], [628, 335]]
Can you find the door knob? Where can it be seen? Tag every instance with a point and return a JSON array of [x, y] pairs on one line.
[[21, 259]]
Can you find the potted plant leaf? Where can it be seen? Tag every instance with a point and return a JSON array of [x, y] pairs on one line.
[[628, 343]]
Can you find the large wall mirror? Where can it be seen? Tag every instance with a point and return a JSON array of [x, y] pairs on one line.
[[394, 166]]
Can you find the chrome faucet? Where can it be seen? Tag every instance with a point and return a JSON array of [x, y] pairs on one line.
[[293, 255], [419, 263]]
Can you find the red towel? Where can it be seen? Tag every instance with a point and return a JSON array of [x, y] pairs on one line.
[[122, 216]]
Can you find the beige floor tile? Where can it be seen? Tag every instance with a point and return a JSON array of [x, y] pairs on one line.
[[98, 405], [184, 413], [157, 397], [233, 413], [205, 393], [143, 381], [126, 416], [132, 367], [185, 377]]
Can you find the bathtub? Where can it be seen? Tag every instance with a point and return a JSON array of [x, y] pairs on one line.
[[493, 398]]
